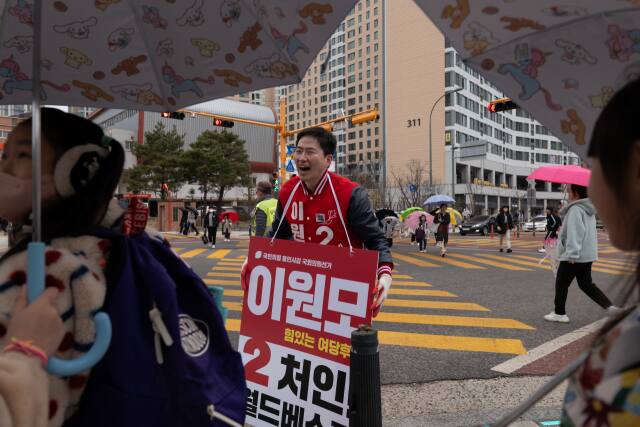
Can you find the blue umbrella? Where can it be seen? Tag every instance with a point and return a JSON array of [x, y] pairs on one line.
[[437, 199]]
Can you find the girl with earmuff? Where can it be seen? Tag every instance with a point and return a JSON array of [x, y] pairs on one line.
[[167, 334], [81, 168]]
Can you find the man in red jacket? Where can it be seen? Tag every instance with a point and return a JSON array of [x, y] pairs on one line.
[[319, 206]]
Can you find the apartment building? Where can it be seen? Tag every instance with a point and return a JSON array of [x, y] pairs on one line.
[[494, 152], [346, 77]]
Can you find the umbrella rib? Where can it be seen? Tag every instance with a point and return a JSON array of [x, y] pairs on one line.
[[150, 53], [270, 37], [553, 27]]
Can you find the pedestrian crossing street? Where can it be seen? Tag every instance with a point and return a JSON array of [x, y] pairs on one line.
[[469, 260], [411, 304], [604, 248]]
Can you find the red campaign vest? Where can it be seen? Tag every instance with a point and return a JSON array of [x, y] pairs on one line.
[[314, 217]]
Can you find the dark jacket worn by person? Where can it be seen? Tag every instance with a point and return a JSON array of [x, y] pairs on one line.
[[504, 222], [211, 220], [553, 225]]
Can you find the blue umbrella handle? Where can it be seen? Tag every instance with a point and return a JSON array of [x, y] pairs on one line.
[[35, 287]]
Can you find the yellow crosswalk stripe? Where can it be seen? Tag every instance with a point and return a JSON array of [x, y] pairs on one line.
[[440, 342], [420, 292], [452, 262], [410, 283], [228, 264], [233, 306], [402, 276], [177, 250], [222, 282], [414, 261], [220, 253], [216, 268], [233, 293], [233, 260], [474, 322], [596, 267], [192, 253], [444, 305], [220, 274], [517, 261], [489, 262]]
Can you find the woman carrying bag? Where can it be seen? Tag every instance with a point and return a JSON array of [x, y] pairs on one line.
[[443, 219]]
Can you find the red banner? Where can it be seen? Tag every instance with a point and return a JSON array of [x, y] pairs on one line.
[[302, 302]]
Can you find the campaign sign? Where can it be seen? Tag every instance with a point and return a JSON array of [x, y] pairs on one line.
[[302, 302]]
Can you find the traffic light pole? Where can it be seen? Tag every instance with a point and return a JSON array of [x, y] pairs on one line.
[[281, 126]]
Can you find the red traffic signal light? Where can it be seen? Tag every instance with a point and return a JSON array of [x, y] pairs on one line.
[[172, 115], [223, 123], [502, 104]]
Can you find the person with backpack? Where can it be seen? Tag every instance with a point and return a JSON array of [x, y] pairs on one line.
[[210, 224], [504, 225], [265, 211], [167, 333]]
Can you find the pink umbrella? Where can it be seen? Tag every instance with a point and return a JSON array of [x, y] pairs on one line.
[[412, 220], [568, 174]]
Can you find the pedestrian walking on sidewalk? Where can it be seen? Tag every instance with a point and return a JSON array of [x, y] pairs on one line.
[[504, 225], [211, 225], [226, 228], [577, 251], [443, 218], [421, 233]]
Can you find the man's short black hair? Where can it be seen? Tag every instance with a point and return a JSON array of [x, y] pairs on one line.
[[325, 138]]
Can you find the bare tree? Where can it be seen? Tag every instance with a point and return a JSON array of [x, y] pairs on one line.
[[370, 178], [412, 184]]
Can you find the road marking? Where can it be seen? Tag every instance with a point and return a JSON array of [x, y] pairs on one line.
[[488, 262], [228, 264], [549, 347], [402, 276], [414, 261], [420, 292], [410, 283], [220, 253], [222, 282], [233, 261], [451, 342], [444, 305], [192, 253], [596, 267], [233, 306], [219, 274], [216, 268], [517, 261], [233, 293], [474, 322], [177, 250], [452, 262], [440, 342]]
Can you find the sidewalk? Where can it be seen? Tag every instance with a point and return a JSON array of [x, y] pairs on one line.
[[474, 402]]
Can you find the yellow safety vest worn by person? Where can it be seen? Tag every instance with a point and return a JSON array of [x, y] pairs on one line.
[[263, 217]]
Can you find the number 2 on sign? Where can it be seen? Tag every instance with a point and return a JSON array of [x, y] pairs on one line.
[[263, 354]]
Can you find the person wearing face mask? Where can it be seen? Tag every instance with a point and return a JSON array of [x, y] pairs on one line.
[[336, 210]]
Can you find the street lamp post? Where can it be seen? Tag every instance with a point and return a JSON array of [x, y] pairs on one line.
[[430, 139]]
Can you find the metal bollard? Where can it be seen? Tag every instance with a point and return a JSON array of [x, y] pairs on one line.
[[364, 385]]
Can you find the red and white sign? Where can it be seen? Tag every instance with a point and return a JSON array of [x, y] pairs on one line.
[[302, 302]]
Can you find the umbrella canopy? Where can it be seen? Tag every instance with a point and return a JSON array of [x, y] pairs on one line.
[[405, 213], [562, 174], [438, 199], [456, 217], [232, 215], [383, 213], [560, 61], [161, 56], [411, 222]]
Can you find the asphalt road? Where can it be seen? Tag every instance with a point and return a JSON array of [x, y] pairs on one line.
[[448, 318]]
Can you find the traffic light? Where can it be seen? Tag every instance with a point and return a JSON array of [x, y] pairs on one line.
[[173, 115], [328, 127], [275, 182], [502, 104], [367, 116], [223, 123]]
